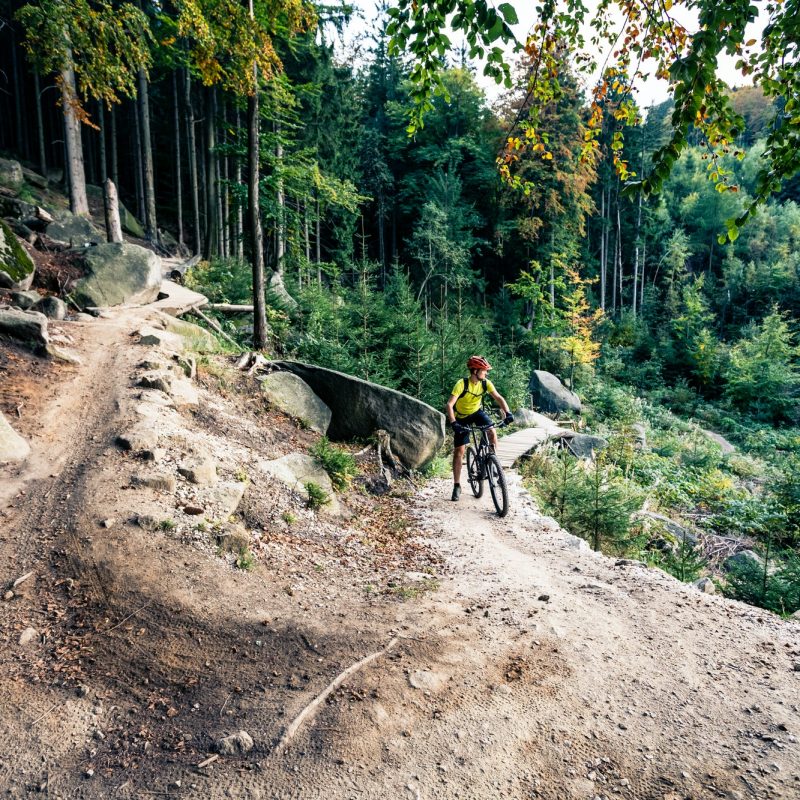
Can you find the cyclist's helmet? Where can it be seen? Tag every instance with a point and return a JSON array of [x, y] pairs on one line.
[[478, 362]]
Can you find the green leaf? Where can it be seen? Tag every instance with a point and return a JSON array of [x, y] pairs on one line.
[[509, 13]]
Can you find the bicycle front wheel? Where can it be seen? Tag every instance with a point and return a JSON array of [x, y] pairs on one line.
[[474, 473], [497, 484]]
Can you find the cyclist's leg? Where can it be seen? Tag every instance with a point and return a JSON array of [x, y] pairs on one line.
[[458, 460], [482, 418]]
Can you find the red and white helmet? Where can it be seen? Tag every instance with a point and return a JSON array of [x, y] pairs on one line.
[[478, 362]]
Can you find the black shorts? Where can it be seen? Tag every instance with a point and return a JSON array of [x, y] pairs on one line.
[[480, 417]]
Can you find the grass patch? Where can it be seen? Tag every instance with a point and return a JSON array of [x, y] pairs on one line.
[[338, 463]]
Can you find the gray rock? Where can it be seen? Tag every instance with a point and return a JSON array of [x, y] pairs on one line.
[[62, 354], [292, 395], [195, 338], [427, 680], [34, 178], [156, 337], [298, 469], [147, 522], [51, 307], [705, 585], [359, 408], [640, 433], [11, 175], [186, 363], [71, 230], [29, 636], [159, 481], [550, 395], [16, 266], [157, 380], [525, 418], [27, 327], [225, 498], [232, 538], [234, 745], [277, 288], [20, 229], [582, 445], [184, 394], [743, 558], [12, 446], [118, 273], [675, 530], [142, 437], [199, 468], [25, 300]]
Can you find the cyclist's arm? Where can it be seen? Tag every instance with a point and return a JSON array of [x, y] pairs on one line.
[[500, 400], [449, 408]]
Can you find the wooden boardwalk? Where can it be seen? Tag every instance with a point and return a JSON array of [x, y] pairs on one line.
[[516, 445]]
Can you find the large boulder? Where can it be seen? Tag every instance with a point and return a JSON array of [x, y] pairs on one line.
[[675, 532], [71, 230], [11, 174], [118, 273], [26, 327], [12, 446], [292, 395], [16, 266], [278, 289], [550, 395], [582, 445], [359, 408]]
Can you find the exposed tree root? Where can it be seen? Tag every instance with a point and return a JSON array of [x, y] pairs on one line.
[[311, 709]]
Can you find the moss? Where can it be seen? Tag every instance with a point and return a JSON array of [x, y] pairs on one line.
[[14, 259]]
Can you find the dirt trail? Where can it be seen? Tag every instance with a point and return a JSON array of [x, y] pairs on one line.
[[536, 669]]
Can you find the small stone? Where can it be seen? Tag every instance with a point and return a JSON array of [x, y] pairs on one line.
[[194, 511], [82, 690], [174, 786], [543, 597], [99, 735], [147, 522], [235, 744], [89, 773], [159, 481], [29, 636], [136, 439], [9, 595], [109, 523]]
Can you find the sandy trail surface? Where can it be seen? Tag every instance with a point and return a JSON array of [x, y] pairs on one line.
[[534, 669]]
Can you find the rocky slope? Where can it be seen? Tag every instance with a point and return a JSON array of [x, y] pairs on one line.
[[402, 646]]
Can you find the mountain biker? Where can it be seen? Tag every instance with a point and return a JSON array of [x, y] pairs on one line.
[[464, 409]]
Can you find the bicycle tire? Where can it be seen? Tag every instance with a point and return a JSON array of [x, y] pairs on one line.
[[497, 484], [473, 473]]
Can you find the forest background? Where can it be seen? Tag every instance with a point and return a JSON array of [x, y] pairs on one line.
[[240, 134]]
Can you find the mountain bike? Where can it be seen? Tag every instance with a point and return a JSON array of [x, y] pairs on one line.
[[483, 464]]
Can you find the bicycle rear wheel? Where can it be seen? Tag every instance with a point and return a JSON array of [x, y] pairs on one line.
[[474, 473], [497, 484]]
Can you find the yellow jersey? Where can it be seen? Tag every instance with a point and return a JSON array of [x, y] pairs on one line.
[[471, 401]]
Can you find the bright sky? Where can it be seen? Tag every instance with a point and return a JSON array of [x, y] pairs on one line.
[[649, 92]]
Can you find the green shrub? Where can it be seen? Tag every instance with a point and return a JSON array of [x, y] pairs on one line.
[[245, 559], [338, 463], [317, 496]]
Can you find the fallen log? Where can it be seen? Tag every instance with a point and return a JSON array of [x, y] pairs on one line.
[[230, 308], [215, 326]]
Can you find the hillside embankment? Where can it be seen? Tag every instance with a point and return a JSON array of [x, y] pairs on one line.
[[395, 646]]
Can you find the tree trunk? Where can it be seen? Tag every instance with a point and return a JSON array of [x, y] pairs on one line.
[[19, 94], [178, 177], [225, 205], [111, 202], [137, 163], [101, 121], [239, 210], [40, 124], [191, 149], [603, 254], [114, 148], [78, 202], [280, 228], [151, 226], [254, 215], [211, 245]]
